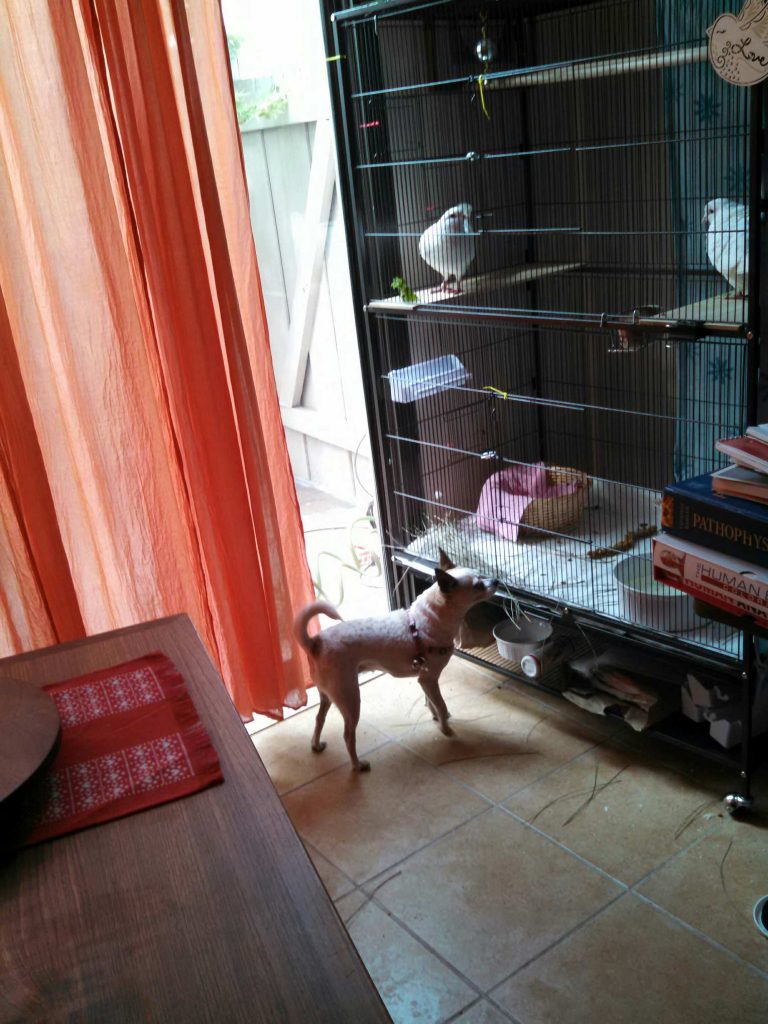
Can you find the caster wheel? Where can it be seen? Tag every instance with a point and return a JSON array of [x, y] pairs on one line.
[[735, 802]]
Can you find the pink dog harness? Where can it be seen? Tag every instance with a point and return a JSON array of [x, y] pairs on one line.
[[420, 659]]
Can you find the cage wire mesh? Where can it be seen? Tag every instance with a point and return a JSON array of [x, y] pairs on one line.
[[536, 188]]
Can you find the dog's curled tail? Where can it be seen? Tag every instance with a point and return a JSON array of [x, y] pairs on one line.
[[309, 643]]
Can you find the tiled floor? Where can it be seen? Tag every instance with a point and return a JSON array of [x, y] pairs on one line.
[[540, 866]]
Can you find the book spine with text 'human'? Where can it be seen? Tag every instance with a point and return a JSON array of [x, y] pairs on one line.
[[728, 583]]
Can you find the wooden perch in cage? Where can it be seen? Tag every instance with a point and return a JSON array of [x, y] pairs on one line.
[[600, 67], [470, 285]]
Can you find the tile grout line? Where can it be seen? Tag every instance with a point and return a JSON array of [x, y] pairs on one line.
[[479, 992], [505, 1014], [500, 806], [565, 849], [558, 941], [460, 1013], [374, 878], [497, 1006], [311, 848], [305, 709], [703, 936], [626, 888], [328, 771], [491, 805], [710, 831]]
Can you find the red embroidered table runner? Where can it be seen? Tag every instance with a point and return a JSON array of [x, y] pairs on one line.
[[130, 739]]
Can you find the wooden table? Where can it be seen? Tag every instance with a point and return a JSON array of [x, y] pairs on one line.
[[203, 909]]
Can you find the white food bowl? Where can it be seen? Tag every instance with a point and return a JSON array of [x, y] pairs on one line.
[[516, 639], [644, 600]]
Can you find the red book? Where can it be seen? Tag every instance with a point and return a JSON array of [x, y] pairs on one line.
[[745, 451]]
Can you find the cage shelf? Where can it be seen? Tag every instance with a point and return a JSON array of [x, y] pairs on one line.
[[558, 567], [470, 285], [717, 313]]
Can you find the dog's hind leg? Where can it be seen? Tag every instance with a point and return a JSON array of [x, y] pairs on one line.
[[351, 715], [431, 687], [325, 702]]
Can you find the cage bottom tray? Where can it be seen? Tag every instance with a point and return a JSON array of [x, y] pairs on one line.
[[558, 567]]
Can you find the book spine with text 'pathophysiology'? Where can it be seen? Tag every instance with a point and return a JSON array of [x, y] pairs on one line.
[[728, 583], [734, 526]]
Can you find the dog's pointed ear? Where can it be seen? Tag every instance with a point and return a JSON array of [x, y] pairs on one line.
[[445, 581], [445, 563]]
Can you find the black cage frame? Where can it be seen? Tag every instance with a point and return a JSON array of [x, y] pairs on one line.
[[587, 138]]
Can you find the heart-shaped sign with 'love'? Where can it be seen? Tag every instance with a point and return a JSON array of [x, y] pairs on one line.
[[738, 44]]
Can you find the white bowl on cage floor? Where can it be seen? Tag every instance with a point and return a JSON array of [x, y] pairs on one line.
[[644, 600], [516, 639]]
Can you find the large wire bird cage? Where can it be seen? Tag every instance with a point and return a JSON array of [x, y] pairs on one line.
[[590, 335]]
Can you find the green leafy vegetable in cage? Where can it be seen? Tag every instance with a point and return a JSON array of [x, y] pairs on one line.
[[400, 285]]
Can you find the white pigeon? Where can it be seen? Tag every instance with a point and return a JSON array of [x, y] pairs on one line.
[[728, 242], [448, 246]]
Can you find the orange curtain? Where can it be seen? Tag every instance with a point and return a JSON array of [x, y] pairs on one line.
[[143, 464]]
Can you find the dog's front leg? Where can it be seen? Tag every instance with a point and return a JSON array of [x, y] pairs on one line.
[[431, 687]]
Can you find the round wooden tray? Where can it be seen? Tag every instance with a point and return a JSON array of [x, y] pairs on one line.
[[30, 727]]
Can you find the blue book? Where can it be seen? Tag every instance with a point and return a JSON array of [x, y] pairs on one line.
[[734, 526]]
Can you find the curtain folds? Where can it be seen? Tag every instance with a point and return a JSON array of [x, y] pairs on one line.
[[143, 464]]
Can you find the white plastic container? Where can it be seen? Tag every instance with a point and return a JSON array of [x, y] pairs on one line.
[[552, 652], [646, 601], [422, 379], [514, 640]]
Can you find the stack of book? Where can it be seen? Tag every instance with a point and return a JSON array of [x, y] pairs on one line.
[[714, 543], [714, 539], [747, 476]]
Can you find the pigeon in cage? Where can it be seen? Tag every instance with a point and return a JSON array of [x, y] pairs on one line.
[[728, 242], [448, 246]]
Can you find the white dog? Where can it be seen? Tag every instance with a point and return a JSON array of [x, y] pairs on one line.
[[417, 642]]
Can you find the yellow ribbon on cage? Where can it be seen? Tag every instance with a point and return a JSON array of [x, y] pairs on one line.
[[496, 391], [480, 82]]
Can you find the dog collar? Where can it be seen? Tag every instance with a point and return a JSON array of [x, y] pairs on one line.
[[420, 658]]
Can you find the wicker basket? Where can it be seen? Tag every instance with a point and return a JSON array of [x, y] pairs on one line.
[[561, 513]]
